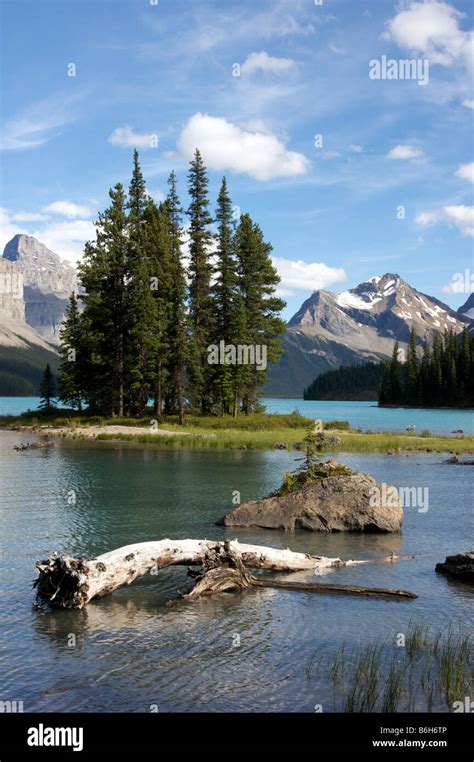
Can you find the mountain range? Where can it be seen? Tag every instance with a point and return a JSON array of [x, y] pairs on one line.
[[359, 325], [329, 330]]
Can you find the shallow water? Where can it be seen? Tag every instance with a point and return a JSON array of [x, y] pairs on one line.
[[142, 646]]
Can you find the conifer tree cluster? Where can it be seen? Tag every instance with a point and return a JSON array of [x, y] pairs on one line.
[[142, 325], [443, 376], [349, 382]]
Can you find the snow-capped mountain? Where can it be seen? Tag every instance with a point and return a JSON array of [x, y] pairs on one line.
[[332, 329]]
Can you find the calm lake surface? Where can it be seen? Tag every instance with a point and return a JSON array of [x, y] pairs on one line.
[[142, 646], [364, 415]]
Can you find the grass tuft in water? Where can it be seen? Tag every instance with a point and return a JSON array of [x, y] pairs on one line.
[[430, 673]]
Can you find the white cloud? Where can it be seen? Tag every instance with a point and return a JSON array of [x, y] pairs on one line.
[[468, 103], [68, 209], [66, 237], [466, 172], [460, 216], [427, 218], [297, 275], [28, 217], [226, 146], [38, 123], [431, 29], [7, 228], [157, 195], [404, 152], [263, 62], [127, 138], [356, 148]]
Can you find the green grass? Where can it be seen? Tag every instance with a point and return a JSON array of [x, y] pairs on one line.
[[431, 672], [259, 431]]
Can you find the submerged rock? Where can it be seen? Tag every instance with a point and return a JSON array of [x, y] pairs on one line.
[[343, 502], [461, 565]]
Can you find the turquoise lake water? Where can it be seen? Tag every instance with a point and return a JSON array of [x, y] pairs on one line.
[[143, 646], [364, 415]]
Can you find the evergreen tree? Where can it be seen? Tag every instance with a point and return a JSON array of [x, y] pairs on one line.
[[411, 390], [71, 383], [395, 376], [257, 281], [137, 336], [177, 332], [103, 274], [440, 378], [224, 294], [47, 390], [142, 317], [200, 271]]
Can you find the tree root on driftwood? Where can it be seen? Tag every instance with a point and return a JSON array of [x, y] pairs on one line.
[[66, 582]]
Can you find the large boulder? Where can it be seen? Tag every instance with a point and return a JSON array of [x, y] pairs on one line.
[[339, 503], [461, 565]]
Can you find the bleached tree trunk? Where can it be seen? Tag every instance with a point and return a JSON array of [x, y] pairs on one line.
[[67, 582]]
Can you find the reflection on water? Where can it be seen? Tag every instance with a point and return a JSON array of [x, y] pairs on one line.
[[246, 652]]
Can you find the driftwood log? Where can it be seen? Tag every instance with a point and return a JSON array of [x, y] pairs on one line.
[[67, 582]]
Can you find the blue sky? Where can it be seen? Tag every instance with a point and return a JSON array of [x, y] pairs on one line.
[[386, 188]]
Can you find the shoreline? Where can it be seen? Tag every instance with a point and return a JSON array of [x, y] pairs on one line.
[[193, 437]]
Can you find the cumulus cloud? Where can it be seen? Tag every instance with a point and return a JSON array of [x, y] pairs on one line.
[[263, 62], [468, 103], [65, 237], [356, 148], [431, 29], [461, 216], [67, 209], [405, 152], [225, 146], [466, 172], [297, 275], [125, 137]]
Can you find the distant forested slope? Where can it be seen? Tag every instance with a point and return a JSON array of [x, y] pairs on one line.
[[352, 382]]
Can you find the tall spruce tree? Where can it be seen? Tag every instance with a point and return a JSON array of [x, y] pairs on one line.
[[224, 295], [178, 330], [257, 281], [103, 274], [200, 271], [71, 386], [159, 259], [142, 315]]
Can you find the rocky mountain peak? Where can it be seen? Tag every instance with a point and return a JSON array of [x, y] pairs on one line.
[[42, 268], [48, 283]]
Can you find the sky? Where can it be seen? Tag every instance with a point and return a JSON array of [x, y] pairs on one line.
[[352, 166]]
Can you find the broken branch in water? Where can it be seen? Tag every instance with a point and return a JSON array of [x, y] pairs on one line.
[[66, 582]]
